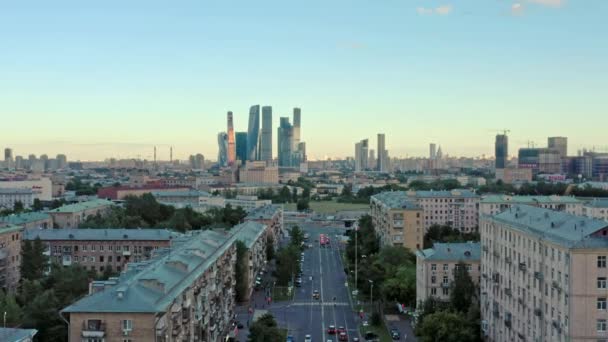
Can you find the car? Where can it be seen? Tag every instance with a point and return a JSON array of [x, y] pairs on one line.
[[355, 339], [341, 329], [365, 323], [290, 338], [315, 294], [342, 336], [239, 325], [371, 337], [395, 334], [310, 245], [307, 338], [331, 329]]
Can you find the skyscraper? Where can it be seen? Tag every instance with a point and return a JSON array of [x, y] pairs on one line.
[[241, 146], [222, 155], [296, 126], [501, 151], [266, 140], [8, 158], [285, 143], [253, 133], [361, 155], [560, 144], [373, 162], [62, 161], [231, 142], [381, 163], [432, 151]]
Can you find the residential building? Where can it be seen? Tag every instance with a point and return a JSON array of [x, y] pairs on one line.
[[191, 197], [197, 162], [259, 172], [514, 175], [270, 215], [432, 151], [241, 146], [253, 133], [398, 220], [361, 155], [540, 160], [231, 151], [543, 276], [183, 294], [42, 187], [494, 204], [435, 268], [266, 137], [457, 208], [589, 165], [8, 158], [100, 249], [255, 237], [121, 192], [10, 257], [382, 154], [17, 335], [10, 196], [71, 215], [596, 208], [501, 151], [222, 154], [33, 219], [560, 144]]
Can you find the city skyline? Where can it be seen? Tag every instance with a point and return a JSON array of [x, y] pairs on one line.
[[508, 67]]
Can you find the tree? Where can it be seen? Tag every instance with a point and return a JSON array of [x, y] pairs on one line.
[[269, 248], [297, 236], [265, 329], [302, 205], [33, 260], [41, 314], [288, 264], [37, 205], [12, 310], [18, 207], [463, 289], [402, 286], [241, 271], [446, 326]]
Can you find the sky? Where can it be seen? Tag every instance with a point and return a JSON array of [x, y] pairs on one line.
[[99, 79]]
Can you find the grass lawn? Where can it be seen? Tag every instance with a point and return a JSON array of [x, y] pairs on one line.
[[329, 207], [280, 293]]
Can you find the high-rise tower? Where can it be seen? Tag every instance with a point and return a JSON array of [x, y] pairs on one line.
[[297, 117], [560, 144], [501, 151], [361, 155], [285, 143], [432, 151], [231, 140], [222, 144], [241, 146], [381, 163], [253, 133], [266, 139]]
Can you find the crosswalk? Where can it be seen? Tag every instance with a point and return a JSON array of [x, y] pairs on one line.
[[319, 303]]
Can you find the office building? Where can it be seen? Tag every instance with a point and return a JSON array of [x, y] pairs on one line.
[[71, 215], [398, 221], [259, 172], [361, 155], [432, 151], [373, 162], [241, 146], [285, 142], [10, 196], [457, 208], [297, 122], [100, 249], [435, 269], [266, 138], [495, 204], [540, 160], [10, 256], [253, 133], [544, 276], [560, 144], [589, 165], [8, 158], [222, 155], [231, 151], [501, 151], [382, 154]]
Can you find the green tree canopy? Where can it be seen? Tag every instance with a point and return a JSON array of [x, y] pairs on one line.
[[265, 329], [463, 289], [446, 326]]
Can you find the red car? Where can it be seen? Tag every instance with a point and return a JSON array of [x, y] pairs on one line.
[[341, 330], [342, 336], [331, 330]]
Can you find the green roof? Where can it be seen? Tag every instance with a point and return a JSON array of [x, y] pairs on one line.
[[530, 199], [92, 234], [395, 200], [24, 218], [16, 335], [9, 228], [265, 212], [82, 206], [466, 251]]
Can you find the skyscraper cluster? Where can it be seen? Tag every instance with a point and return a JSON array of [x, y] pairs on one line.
[[367, 159], [32, 163], [256, 144]]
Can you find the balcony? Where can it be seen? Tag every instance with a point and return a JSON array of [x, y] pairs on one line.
[[556, 286], [521, 301], [445, 285], [508, 323], [126, 253], [496, 254], [508, 260], [539, 276], [538, 312], [522, 266], [508, 292], [557, 327], [94, 329], [496, 277], [484, 248]]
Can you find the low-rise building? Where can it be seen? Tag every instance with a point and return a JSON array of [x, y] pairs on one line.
[[596, 208], [34, 219], [259, 172], [10, 196], [184, 294], [514, 175], [191, 197], [494, 204], [435, 268], [121, 192], [398, 220], [17, 335], [248, 203], [101, 249], [544, 276], [457, 208], [42, 187], [10, 257], [71, 215]]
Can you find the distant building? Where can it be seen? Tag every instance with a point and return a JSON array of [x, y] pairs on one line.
[[398, 220], [121, 192], [285, 142], [62, 161], [544, 276], [10, 256], [34, 219], [457, 208], [596, 208], [42, 187], [222, 154], [197, 162], [432, 151], [71, 215], [361, 155], [513, 175], [560, 144], [266, 137], [501, 151], [495, 204], [253, 133], [241, 146], [589, 165], [382, 154], [8, 197], [100, 249], [540, 160], [231, 150], [8, 158], [297, 126], [191, 197], [259, 172], [17, 335], [435, 268]]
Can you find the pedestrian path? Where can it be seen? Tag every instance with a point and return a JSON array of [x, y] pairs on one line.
[[319, 303]]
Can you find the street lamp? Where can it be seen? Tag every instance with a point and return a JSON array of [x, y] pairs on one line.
[[371, 282]]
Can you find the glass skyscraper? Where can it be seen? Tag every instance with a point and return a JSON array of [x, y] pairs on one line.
[[501, 151], [253, 133], [222, 155], [241, 146], [285, 144], [266, 139], [231, 146]]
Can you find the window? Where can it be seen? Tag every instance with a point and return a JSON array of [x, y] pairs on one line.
[[445, 279], [601, 261], [445, 291], [445, 267], [85, 248], [433, 291], [433, 280], [601, 282], [601, 303], [601, 325], [127, 324], [92, 248], [109, 258], [433, 267]]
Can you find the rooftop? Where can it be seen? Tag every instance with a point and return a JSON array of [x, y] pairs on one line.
[[266, 212], [9, 228], [598, 203], [11, 191], [443, 193], [16, 335], [452, 251], [24, 218], [395, 200], [188, 193], [248, 232], [76, 207], [530, 199], [99, 234], [568, 230]]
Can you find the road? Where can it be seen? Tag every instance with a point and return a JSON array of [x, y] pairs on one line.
[[305, 315]]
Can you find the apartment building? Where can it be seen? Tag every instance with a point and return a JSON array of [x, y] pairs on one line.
[[398, 221], [544, 276], [189, 197], [71, 215], [34, 219], [435, 268], [596, 208], [42, 187], [101, 249], [121, 192], [456, 208], [494, 204], [17, 335], [184, 294], [10, 196], [255, 237], [10, 254], [270, 215]]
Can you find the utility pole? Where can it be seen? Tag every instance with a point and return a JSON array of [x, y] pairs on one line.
[[372, 294]]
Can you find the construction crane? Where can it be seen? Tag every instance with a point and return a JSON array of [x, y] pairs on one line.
[[503, 131]]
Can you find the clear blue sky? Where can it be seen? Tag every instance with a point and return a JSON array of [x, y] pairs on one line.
[[112, 78]]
